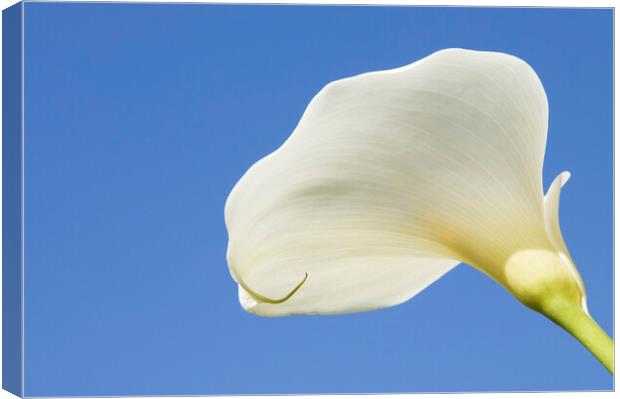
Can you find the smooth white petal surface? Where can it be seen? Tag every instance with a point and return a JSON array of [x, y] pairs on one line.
[[390, 179], [552, 223]]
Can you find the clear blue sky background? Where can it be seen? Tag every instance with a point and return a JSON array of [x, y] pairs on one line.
[[141, 118]]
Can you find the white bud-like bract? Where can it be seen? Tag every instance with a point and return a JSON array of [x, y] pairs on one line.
[[391, 179]]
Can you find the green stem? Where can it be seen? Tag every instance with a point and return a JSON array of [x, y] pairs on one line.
[[579, 324]]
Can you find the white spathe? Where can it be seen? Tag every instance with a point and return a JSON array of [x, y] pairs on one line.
[[391, 179]]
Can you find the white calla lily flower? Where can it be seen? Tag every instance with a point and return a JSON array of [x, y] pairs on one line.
[[393, 178]]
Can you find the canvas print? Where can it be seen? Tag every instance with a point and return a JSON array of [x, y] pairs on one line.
[[220, 199]]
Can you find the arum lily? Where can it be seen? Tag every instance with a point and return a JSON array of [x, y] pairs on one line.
[[392, 178]]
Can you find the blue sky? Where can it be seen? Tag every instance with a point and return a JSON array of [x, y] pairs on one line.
[[141, 118]]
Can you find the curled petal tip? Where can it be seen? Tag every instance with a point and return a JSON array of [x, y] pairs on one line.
[[265, 299], [564, 177]]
